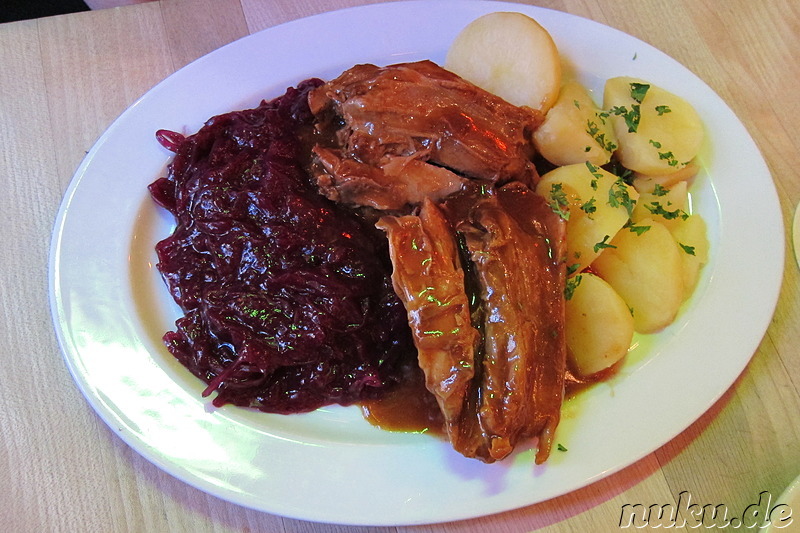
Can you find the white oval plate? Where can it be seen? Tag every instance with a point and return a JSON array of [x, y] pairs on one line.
[[110, 307]]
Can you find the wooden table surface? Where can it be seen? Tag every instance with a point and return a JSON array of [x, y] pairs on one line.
[[64, 79]]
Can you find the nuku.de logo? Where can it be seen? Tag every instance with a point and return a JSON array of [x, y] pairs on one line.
[[694, 515]]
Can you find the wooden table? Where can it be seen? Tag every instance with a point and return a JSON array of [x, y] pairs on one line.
[[63, 80]]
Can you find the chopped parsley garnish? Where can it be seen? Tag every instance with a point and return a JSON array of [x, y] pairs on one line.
[[657, 209], [589, 207], [638, 230], [618, 196], [558, 201], [600, 138], [631, 116], [688, 249], [571, 269], [560, 447], [595, 172], [603, 244], [661, 109], [577, 104], [638, 90], [670, 158], [658, 190], [608, 146], [571, 285]]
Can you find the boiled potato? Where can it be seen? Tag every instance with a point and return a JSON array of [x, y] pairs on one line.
[[665, 180], [574, 131], [586, 192], [665, 136], [510, 55], [669, 206], [690, 234], [598, 326], [646, 270]]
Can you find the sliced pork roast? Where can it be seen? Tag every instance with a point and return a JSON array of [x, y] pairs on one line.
[[477, 256]]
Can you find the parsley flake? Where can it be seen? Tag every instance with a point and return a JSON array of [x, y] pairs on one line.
[[571, 285], [661, 109], [618, 196], [560, 447], [631, 116], [638, 90], [594, 170], [603, 244], [600, 137], [658, 190], [558, 201], [688, 249], [638, 230], [669, 157], [589, 207], [657, 209]]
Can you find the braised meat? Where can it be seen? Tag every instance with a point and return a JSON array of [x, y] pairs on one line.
[[516, 243], [490, 333], [482, 276], [415, 130], [430, 282]]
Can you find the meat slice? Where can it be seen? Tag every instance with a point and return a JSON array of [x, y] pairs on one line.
[[496, 367], [415, 130], [430, 282], [517, 245], [391, 186]]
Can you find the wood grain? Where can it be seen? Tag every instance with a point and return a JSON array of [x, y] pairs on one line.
[[65, 79], [96, 64], [197, 27]]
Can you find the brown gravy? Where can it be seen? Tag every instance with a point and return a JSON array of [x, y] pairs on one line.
[[409, 407]]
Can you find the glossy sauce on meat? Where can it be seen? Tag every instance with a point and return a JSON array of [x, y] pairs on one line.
[[482, 282], [411, 131], [429, 278]]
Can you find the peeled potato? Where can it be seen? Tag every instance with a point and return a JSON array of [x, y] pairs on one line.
[[669, 206], [646, 270], [668, 133], [690, 234], [574, 131], [598, 326], [665, 180], [586, 190], [510, 55]]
